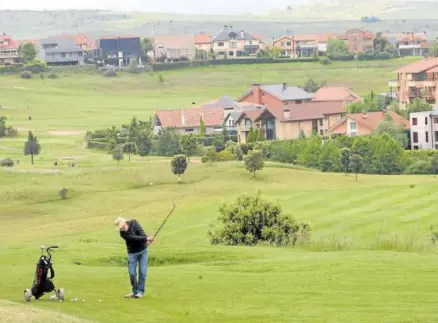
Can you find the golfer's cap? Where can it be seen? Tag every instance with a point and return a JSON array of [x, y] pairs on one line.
[[119, 222]]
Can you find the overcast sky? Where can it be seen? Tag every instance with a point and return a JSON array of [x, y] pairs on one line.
[[175, 6]]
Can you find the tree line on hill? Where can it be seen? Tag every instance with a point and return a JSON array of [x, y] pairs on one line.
[[383, 152]]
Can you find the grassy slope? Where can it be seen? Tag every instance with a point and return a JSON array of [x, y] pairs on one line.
[[189, 280]]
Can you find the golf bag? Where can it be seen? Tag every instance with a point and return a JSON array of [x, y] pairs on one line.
[[44, 274]]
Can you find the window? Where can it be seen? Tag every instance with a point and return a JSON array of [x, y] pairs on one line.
[[62, 55], [321, 132], [321, 122], [250, 42], [415, 147], [288, 43], [425, 121], [415, 137], [299, 101], [248, 122], [221, 44], [427, 136], [414, 121], [80, 54], [436, 135], [189, 130], [435, 120], [160, 46], [353, 126], [231, 53], [283, 43], [233, 44]]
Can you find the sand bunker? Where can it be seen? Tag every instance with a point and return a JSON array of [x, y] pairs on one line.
[[65, 132]]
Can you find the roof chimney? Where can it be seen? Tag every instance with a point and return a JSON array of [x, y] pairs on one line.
[[242, 33], [256, 92], [286, 113], [364, 115], [284, 86], [183, 119]]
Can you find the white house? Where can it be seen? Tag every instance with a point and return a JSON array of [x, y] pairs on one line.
[[424, 129]]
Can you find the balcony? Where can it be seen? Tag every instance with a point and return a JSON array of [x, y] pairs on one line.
[[393, 83], [421, 84]]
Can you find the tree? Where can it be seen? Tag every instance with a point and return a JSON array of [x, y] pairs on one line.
[[356, 164], [336, 47], [312, 86], [434, 49], [329, 157], [382, 44], [201, 127], [130, 148], [254, 161], [211, 155], [345, 159], [28, 51], [396, 132], [189, 144], [261, 135], [2, 126], [179, 165], [434, 164], [387, 155], [252, 135], [371, 103], [117, 153], [168, 142], [274, 52], [418, 105], [31, 146], [146, 47]]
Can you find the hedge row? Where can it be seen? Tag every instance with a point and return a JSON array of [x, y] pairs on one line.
[[180, 65]]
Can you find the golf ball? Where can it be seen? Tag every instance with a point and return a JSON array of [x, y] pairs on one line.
[[100, 301]]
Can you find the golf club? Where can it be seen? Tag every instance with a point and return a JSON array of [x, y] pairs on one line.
[[162, 224]]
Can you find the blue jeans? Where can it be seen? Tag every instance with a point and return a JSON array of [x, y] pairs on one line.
[[140, 258]]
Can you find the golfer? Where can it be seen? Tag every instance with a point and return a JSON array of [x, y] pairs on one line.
[[136, 243]]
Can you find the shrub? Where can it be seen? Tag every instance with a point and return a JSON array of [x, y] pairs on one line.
[[26, 75], [52, 76], [179, 165], [384, 55], [251, 220], [225, 155], [204, 159], [325, 61], [63, 193], [110, 73], [160, 78], [7, 163], [264, 147], [419, 167]]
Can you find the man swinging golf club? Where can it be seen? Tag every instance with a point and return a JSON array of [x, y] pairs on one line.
[[136, 242]]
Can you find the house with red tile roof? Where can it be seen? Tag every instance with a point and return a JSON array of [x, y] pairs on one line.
[[359, 40], [362, 124], [412, 44], [303, 45], [287, 122], [203, 42], [416, 80], [8, 50], [186, 121], [276, 95], [336, 93]]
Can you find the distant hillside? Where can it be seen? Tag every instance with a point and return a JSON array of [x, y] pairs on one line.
[[318, 16]]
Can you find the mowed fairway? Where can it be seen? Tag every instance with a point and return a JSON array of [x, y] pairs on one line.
[[370, 259]]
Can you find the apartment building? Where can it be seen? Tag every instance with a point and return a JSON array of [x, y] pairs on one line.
[[359, 40], [416, 80], [424, 129], [412, 44]]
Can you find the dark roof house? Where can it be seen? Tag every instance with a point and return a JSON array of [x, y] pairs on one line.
[[227, 34]]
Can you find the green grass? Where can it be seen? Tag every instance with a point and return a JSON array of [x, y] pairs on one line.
[[370, 258]]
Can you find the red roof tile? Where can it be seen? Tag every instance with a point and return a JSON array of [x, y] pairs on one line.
[[307, 111], [79, 39], [332, 93], [371, 120], [410, 36], [420, 66], [202, 39], [184, 118]]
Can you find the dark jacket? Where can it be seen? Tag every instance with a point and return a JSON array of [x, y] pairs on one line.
[[135, 237]]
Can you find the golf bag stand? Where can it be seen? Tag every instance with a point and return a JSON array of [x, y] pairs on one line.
[[43, 283]]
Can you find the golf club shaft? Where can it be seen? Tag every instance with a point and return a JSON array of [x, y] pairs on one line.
[[162, 224]]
